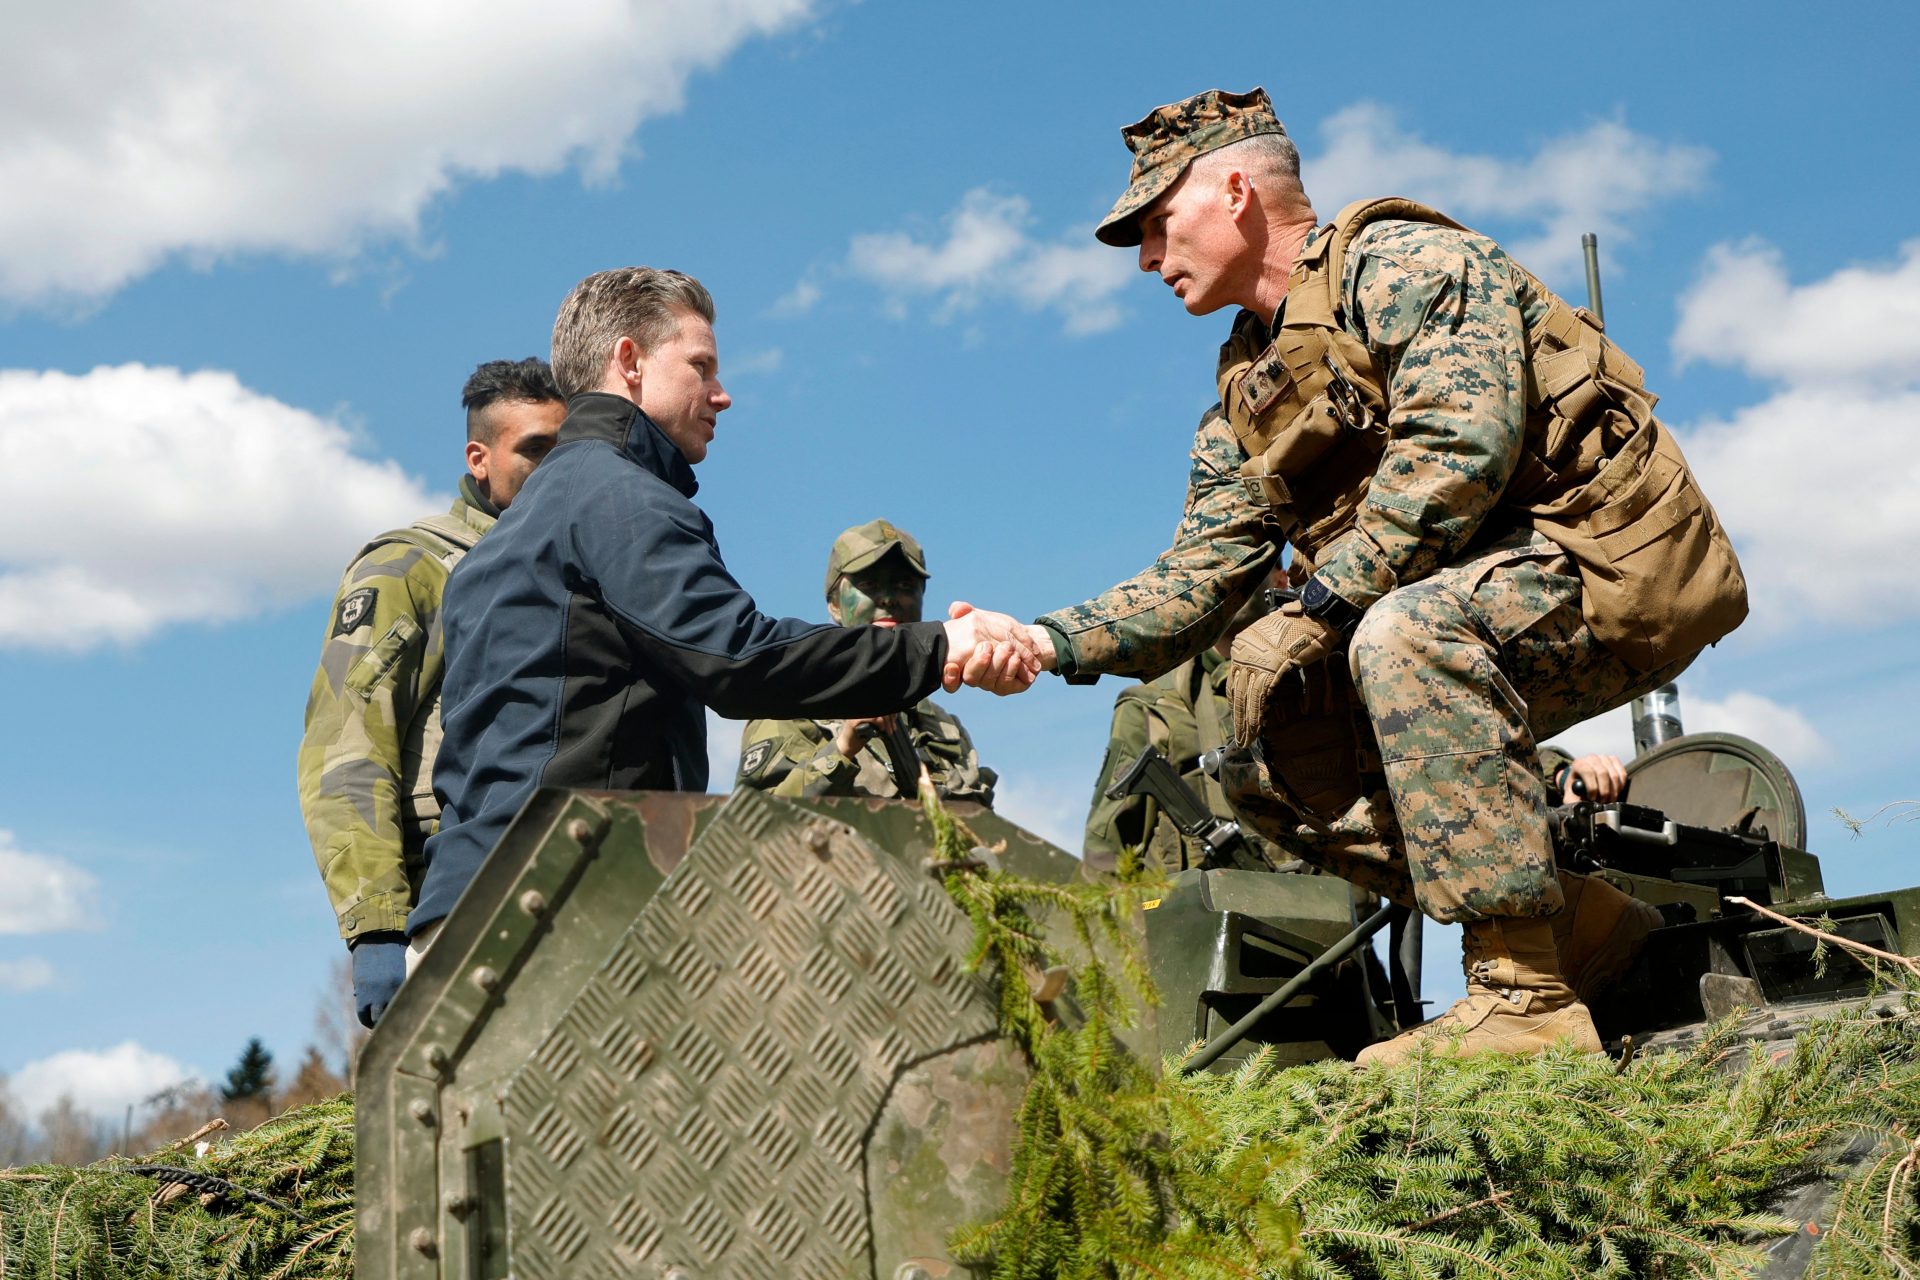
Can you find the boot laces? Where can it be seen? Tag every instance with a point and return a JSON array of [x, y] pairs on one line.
[[1480, 972]]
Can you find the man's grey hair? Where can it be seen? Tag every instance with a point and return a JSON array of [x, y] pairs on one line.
[[1269, 156], [642, 303]]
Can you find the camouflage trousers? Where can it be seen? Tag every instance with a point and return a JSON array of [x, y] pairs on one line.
[[1455, 679]]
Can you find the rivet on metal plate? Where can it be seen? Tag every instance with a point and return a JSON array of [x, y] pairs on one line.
[[423, 1243], [484, 978], [818, 841], [579, 831], [421, 1110], [534, 903]]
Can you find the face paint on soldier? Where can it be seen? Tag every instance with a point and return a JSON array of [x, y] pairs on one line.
[[882, 595], [522, 433]]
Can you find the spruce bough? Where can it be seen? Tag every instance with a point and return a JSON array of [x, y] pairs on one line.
[[1546, 1166], [104, 1222], [1559, 1164]]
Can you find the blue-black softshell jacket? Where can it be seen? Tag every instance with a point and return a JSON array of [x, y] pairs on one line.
[[588, 629]]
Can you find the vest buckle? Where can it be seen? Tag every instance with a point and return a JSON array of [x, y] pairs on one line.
[[1349, 406]]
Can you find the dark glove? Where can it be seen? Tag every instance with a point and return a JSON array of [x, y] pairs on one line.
[[379, 966], [1283, 647]]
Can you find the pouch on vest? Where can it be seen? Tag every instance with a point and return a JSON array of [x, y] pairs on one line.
[[1659, 579], [1597, 474]]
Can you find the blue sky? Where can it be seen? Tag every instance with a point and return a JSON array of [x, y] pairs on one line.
[[249, 254]]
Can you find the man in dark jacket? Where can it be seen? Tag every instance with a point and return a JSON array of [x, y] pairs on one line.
[[589, 630]]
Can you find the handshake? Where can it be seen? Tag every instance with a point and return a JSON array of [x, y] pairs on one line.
[[993, 651]]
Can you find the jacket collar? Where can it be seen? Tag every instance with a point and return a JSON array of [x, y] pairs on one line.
[[472, 507], [596, 415]]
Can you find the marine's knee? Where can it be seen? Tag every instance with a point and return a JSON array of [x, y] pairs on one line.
[[1402, 627]]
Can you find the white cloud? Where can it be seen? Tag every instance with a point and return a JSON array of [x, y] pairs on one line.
[[28, 974], [1779, 728], [1858, 324], [1051, 808], [103, 1082], [800, 299], [132, 498], [1815, 488], [1608, 734], [765, 361], [986, 253], [1815, 483], [40, 893], [1775, 726], [1597, 179], [203, 128], [723, 752]]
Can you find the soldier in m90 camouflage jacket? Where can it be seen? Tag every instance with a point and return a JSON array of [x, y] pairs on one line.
[[373, 716], [876, 576], [1502, 540]]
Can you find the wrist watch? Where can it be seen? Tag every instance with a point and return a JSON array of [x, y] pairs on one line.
[[1317, 601]]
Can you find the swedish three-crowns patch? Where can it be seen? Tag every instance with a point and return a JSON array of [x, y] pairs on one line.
[[353, 610]]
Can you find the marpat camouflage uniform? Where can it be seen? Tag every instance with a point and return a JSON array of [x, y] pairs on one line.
[[1473, 646], [1183, 714], [797, 758], [373, 718]]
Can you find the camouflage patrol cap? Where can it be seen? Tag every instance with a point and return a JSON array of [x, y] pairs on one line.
[[863, 545], [1167, 139]]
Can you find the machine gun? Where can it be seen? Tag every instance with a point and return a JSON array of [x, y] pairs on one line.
[[1714, 954], [1641, 842], [1151, 775], [902, 759]]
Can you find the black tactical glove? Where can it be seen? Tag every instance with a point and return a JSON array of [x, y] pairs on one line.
[[379, 967]]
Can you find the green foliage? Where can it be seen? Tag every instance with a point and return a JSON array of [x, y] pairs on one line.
[[252, 1076], [102, 1222], [1552, 1165], [1096, 1188]]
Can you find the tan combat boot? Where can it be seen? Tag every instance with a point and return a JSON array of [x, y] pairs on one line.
[[1599, 933], [1518, 1001]]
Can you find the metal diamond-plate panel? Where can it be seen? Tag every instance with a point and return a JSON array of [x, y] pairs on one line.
[[705, 1100]]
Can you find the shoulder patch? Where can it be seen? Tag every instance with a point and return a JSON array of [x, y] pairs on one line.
[[756, 756], [354, 609]]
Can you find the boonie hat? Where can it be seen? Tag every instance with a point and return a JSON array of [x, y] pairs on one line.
[[1167, 139], [864, 545]]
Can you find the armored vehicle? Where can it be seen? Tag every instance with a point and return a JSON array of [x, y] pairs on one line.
[[700, 1036]]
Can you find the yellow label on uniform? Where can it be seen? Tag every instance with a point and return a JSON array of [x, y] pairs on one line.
[[1150, 904]]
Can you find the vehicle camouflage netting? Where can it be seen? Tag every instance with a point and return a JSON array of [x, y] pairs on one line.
[[1560, 1164]]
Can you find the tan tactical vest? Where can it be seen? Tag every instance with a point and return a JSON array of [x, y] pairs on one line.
[[1598, 473], [447, 539]]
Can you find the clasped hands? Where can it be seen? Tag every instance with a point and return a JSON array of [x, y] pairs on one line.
[[993, 651]]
